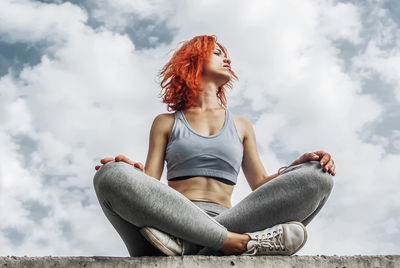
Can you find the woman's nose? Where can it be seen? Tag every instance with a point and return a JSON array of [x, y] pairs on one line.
[[227, 60]]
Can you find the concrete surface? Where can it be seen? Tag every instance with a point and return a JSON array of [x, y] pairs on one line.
[[293, 261]]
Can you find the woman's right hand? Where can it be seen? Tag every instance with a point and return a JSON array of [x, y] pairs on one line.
[[121, 158]]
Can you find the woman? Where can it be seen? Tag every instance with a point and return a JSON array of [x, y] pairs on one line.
[[205, 145]]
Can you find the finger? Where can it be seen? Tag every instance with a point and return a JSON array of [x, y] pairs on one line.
[[325, 159], [97, 167], [127, 160], [123, 158], [106, 160], [130, 162], [138, 165], [332, 168], [119, 157], [141, 166], [328, 165]]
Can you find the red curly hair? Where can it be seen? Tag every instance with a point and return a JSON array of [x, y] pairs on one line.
[[184, 72]]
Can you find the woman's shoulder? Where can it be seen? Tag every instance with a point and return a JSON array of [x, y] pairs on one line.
[[164, 121], [241, 120], [164, 116]]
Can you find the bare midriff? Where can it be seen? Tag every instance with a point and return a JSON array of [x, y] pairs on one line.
[[204, 189]]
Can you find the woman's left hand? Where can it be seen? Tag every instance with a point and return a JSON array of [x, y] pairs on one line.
[[324, 158]]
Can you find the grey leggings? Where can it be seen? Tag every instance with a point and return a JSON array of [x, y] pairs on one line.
[[131, 199]]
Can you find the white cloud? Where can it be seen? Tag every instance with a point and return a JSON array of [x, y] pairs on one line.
[[28, 21], [340, 21], [118, 14]]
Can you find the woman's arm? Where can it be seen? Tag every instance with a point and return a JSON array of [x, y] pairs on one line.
[[158, 140], [252, 166]]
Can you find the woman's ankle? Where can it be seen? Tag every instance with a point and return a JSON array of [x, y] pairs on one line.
[[235, 244]]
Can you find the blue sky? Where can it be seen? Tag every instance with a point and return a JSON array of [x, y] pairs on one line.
[[78, 83]]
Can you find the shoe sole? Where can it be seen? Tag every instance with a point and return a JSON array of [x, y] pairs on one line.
[[154, 241], [305, 235]]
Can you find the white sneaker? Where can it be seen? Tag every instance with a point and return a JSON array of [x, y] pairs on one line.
[[281, 239], [168, 244]]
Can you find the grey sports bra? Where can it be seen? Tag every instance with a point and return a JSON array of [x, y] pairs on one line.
[[189, 154]]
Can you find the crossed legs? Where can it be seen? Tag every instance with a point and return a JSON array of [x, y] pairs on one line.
[[131, 200]]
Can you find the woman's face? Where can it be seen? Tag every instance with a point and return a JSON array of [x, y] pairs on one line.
[[217, 67]]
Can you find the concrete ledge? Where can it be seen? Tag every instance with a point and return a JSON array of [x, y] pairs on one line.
[[204, 261]]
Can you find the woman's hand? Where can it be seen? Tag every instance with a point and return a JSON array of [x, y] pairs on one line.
[[121, 158], [324, 158]]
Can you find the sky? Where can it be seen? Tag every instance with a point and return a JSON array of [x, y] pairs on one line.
[[78, 82]]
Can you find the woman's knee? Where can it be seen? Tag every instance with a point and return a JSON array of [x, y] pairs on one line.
[[110, 174], [313, 172]]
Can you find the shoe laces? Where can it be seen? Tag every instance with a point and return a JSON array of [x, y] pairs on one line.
[[270, 241]]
